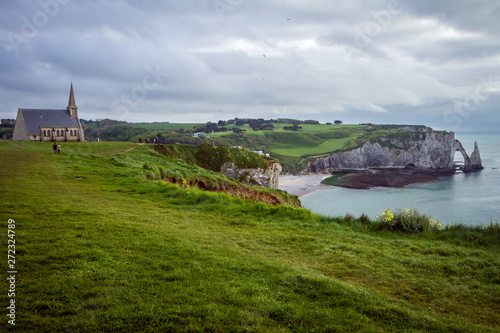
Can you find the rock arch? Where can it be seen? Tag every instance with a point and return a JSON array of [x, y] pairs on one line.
[[460, 148]]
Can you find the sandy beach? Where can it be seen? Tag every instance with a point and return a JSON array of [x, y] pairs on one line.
[[302, 185]]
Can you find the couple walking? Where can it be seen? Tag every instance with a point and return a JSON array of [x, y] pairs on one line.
[[56, 147]]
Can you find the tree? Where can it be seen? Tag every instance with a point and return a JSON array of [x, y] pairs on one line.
[[211, 126], [292, 128], [338, 122]]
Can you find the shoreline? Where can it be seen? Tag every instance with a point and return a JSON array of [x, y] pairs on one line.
[[305, 184]]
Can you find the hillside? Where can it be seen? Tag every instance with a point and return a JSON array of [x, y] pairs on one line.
[[102, 245], [292, 146]]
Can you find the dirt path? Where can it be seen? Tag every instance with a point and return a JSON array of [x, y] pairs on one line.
[[123, 152], [126, 151]]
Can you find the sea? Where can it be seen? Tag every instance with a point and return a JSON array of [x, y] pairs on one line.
[[463, 198]]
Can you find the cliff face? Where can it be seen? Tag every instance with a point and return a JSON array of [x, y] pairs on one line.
[[247, 167], [430, 151], [261, 177]]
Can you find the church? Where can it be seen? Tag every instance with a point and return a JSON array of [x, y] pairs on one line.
[[49, 124]]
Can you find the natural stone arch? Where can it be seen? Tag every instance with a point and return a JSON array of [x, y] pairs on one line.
[[460, 148]]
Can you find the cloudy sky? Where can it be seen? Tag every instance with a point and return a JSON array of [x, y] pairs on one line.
[[427, 62]]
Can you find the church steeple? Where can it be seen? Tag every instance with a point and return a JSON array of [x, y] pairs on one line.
[[72, 108]]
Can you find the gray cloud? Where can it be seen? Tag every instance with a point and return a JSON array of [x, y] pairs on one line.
[[375, 61]]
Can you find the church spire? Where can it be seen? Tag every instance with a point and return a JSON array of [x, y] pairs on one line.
[[72, 108]]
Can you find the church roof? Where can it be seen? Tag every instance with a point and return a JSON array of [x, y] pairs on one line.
[[36, 118]]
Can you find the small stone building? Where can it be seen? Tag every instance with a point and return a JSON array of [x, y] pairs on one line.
[[49, 124]]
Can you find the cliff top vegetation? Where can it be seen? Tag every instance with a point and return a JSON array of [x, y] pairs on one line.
[[288, 140]]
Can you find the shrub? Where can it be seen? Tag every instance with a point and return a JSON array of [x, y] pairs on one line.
[[407, 220], [348, 217]]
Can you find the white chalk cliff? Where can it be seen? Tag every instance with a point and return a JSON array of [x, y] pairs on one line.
[[427, 150]]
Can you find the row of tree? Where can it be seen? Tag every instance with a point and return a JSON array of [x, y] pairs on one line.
[[258, 124]]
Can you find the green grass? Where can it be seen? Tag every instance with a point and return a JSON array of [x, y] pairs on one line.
[[292, 148], [304, 148], [310, 140], [99, 247]]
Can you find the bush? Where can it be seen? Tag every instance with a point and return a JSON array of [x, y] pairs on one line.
[[407, 220]]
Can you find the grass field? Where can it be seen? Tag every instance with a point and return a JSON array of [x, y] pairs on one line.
[[306, 148], [292, 148], [310, 140], [99, 247]]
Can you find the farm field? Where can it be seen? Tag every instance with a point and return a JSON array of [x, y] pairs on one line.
[[304, 148], [310, 140], [102, 247]]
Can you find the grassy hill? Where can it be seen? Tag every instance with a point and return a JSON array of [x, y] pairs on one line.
[[291, 148], [103, 246]]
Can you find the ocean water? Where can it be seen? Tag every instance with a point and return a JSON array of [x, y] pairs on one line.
[[469, 199]]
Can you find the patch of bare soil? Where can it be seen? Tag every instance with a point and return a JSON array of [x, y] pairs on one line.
[[234, 190]]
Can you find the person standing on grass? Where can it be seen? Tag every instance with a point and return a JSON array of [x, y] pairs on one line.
[[58, 148], [54, 146]]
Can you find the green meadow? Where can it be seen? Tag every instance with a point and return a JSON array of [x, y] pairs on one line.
[[310, 140], [294, 147], [103, 246]]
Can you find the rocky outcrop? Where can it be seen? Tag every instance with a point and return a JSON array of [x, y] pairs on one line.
[[260, 177], [475, 158], [247, 167], [431, 150], [472, 163]]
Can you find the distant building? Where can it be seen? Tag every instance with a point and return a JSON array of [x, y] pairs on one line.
[[49, 124], [8, 121], [199, 135]]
